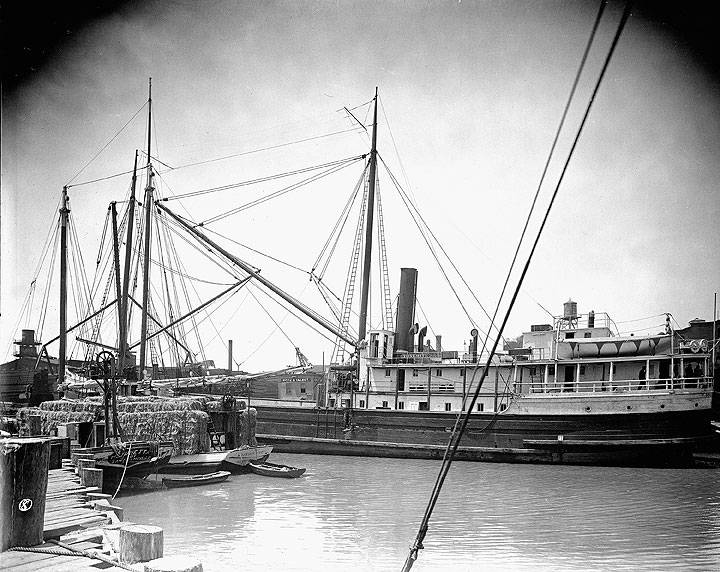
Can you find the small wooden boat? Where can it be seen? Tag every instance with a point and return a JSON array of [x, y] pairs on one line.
[[194, 480], [273, 470], [234, 460]]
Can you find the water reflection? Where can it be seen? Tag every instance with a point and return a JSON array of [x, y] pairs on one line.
[[351, 512]]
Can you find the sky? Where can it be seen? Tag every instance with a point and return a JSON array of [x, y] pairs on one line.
[[471, 95]]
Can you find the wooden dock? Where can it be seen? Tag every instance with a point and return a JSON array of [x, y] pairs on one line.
[[69, 508]]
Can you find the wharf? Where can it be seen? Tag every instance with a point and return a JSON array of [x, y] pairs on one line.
[[69, 508]]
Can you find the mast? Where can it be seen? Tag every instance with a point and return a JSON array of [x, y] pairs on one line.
[[123, 299], [64, 211], [148, 232], [110, 383], [368, 230], [116, 256]]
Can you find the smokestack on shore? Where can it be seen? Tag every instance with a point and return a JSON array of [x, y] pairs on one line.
[[404, 340], [230, 361]]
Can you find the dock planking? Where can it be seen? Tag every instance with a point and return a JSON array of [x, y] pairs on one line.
[[68, 508]]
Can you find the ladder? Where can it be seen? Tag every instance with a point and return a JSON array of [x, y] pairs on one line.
[[387, 300], [338, 354]]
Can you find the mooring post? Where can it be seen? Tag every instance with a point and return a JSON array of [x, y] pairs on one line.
[[91, 477], [23, 483], [140, 543]]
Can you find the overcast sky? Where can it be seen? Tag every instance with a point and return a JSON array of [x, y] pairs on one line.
[[472, 93]]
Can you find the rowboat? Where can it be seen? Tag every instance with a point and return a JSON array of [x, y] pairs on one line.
[[274, 470], [236, 460], [175, 481]]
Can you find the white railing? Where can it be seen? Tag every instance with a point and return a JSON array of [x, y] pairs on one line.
[[622, 385]]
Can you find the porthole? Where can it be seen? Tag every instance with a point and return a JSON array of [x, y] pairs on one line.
[[696, 405], [587, 409], [629, 407], [662, 406]]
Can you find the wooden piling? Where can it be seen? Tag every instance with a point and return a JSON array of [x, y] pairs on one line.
[[85, 464], [23, 482], [91, 477], [140, 543], [56, 451]]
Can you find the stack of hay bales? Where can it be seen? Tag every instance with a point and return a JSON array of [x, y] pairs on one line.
[[181, 421], [22, 417], [54, 413]]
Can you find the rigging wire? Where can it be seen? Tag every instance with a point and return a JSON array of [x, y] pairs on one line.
[[424, 316], [219, 260], [257, 251], [279, 192], [397, 152], [339, 226], [172, 251], [101, 179], [456, 436], [550, 156], [46, 295], [249, 182], [298, 317], [175, 227], [279, 327], [413, 211], [106, 145], [269, 148]]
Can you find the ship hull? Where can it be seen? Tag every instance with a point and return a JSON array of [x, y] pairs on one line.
[[634, 439]]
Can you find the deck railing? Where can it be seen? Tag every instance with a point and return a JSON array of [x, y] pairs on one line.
[[622, 385]]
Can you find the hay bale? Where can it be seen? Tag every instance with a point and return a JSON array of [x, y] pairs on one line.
[[187, 429]]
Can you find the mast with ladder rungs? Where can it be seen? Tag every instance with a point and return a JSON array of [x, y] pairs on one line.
[[362, 329]]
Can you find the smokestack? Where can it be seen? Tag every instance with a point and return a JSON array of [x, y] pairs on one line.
[[230, 360], [591, 319], [406, 309], [438, 343], [473, 344], [421, 339]]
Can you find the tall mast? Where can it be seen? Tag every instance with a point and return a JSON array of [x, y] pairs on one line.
[[116, 257], [368, 230], [64, 211], [123, 300], [148, 231]]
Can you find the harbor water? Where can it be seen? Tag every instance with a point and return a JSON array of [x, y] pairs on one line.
[[353, 513]]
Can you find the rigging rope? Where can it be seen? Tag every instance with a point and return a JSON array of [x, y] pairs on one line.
[[46, 295], [278, 193], [271, 147], [413, 211], [279, 327], [265, 179], [106, 145], [350, 204], [258, 251], [340, 222], [456, 436], [550, 156]]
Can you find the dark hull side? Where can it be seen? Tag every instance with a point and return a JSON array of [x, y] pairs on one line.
[[645, 439], [114, 474]]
